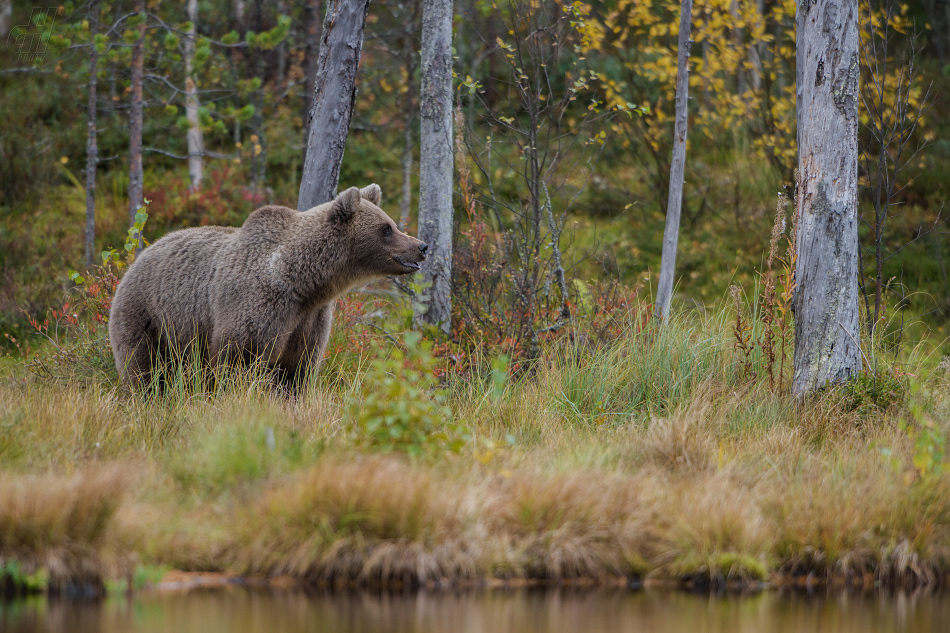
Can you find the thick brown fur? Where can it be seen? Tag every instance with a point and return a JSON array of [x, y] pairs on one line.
[[265, 290]]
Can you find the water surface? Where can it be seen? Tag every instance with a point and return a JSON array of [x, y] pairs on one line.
[[242, 610]]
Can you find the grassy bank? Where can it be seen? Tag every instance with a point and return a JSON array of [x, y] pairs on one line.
[[659, 456]]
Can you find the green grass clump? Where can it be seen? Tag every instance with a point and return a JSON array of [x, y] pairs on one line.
[[399, 406], [238, 454]]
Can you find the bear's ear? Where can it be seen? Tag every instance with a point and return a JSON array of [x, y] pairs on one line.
[[345, 206], [372, 193]]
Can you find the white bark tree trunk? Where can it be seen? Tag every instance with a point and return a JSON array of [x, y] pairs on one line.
[[664, 291], [195, 137], [239, 11], [314, 18], [436, 163], [334, 93], [409, 62], [6, 14], [405, 205], [827, 333], [135, 117], [92, 146]]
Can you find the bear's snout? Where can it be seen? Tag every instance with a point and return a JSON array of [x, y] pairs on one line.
[[423, 248]]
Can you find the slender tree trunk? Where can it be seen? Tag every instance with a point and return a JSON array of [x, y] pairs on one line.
[[258, 138], [664, 291], [436, 160], [6, 14], [405, 205], [946, 26], [410, 117], [334, 93], [195, 137], [113, 95], [135, 117], [491, 82], [738, 35], [92, 147], [939, 25], [311, 57], [281, 51], [238, 57], [239, 10], [756, 52], [827, 333]]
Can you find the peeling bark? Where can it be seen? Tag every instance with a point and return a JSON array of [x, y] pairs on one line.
[[664, 291], [827, 334], [436, 160], [334, 93]]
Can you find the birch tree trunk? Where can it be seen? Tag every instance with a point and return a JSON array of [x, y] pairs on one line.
[[281, 50], [6, 14], [334, 93], [239, 10], [195, 137], [435, 161], [826, 295], [311, 56], [135, 117], [664, 291], [405, 204], [258, 138], [92, 146]]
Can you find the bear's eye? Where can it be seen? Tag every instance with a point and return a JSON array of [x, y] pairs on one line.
[[387, 231]]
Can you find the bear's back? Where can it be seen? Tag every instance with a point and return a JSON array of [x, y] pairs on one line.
[[172, 277]]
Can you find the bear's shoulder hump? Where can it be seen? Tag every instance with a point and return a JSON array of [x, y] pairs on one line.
[[271, 217]]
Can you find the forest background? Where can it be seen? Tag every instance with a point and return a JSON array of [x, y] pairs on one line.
[[607, 152]]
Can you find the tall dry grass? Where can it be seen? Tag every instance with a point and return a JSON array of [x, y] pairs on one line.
[[656, 457], [64, 526]]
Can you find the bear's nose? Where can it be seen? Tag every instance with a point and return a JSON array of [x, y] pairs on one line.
[[423, 248]]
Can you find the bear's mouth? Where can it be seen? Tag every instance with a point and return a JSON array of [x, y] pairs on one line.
[[409, 266]]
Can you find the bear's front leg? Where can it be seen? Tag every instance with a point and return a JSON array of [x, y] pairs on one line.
[[305, 347], [246, 345]]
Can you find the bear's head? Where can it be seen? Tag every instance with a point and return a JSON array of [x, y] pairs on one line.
[[377, 244]]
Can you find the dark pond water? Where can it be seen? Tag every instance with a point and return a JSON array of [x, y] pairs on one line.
[[239, 610]]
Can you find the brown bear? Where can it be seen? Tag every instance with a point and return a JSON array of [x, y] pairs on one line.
[[264, 291]]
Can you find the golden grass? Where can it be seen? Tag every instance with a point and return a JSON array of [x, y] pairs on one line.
[[571, 474], [63, 524]]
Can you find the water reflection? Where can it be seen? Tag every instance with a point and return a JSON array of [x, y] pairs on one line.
[[240, 610]]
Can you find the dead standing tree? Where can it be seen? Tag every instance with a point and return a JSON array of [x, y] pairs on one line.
[[334, 93], [436, 161], [827, 333], [664, 291]]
